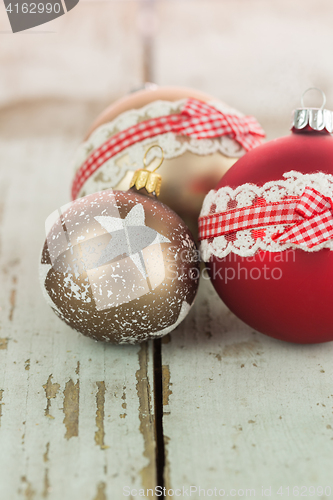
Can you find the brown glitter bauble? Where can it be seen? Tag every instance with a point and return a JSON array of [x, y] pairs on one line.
[[120, 267]]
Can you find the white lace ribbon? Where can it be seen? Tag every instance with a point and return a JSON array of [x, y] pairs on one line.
[[114, 170], [247, 242]]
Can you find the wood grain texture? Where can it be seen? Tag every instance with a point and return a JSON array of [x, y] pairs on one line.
[[76, 416], [243, 410]]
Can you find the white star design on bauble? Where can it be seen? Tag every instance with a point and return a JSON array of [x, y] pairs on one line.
[[129, 236]]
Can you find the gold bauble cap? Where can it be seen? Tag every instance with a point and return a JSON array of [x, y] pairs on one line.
[[148, 179]]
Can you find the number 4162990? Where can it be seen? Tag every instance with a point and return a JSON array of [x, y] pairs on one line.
[[34, 8]]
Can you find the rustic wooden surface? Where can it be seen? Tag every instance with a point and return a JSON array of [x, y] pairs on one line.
[[80, 420], [242, 410], [76, 416]]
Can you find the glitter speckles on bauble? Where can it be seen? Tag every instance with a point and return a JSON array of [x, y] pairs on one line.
[[119, 267]]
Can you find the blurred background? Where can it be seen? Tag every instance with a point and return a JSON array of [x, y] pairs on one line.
[[255, 55]]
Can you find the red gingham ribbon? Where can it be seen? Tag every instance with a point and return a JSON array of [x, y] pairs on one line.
[[197, 119], [310, 214]]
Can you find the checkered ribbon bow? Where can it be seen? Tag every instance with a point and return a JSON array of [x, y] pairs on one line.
[[310, 217], [317, 224], [197, 119]]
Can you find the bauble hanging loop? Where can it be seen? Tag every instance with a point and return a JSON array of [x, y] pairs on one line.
[[146, 155], [319, 90]]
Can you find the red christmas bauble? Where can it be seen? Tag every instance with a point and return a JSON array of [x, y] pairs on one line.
[[285, 293]]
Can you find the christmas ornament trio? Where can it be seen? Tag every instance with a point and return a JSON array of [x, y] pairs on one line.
[[120, 266]]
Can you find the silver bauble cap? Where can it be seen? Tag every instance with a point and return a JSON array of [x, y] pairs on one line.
[[316, 119]]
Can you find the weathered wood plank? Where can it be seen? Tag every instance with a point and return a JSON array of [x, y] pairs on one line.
[[77, 417], [243, 410]]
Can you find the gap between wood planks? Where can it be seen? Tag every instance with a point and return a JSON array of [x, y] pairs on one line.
[[158, 410]]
